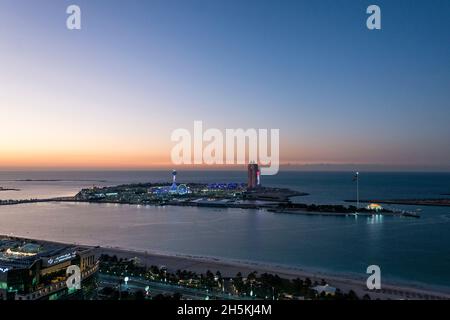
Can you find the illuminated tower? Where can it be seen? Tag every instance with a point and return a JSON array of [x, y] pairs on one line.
[[173, 188], [253, 175], [174, 179]]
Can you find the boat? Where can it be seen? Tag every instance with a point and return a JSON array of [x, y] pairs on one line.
[[410, 214]]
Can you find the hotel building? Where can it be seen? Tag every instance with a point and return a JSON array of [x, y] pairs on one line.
[[253, 176], [32, 270]]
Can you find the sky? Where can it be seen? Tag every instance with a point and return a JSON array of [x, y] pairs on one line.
[[110, 95]]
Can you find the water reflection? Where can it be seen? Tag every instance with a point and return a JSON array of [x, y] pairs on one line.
[[375, 219]]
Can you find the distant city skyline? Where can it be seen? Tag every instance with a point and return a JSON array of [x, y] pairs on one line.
[[108, 96]]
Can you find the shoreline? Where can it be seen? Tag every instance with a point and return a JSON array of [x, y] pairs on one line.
[[230, 267], [409, 202], [269, 207], [8, 189]]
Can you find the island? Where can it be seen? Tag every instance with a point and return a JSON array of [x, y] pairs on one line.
[[8, 189], [235, 195], [231, 195], [215, 195], [416, 202]]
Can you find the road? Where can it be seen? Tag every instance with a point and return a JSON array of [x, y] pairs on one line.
[[155, 288]]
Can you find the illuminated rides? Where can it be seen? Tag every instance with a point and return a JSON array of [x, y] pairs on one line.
[[174, 189]]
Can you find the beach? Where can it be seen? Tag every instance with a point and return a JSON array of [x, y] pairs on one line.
[[413, 254], [229, 268]]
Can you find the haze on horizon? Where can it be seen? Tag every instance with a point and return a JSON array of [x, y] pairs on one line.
[[110, 95]]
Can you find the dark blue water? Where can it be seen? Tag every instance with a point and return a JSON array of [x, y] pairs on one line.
[[407, 249]]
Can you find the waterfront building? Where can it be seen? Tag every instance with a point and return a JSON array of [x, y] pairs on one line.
[[32, 270], [374, 207]]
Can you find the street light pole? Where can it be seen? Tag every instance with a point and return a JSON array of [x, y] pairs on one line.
[[120, 289], [357, 191]]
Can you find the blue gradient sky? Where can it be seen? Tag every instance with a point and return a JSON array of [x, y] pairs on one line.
[[111, 94]]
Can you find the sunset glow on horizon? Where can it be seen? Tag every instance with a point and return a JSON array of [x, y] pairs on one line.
[[109, 96]]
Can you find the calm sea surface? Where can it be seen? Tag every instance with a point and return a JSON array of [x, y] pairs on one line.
[[407, 249]]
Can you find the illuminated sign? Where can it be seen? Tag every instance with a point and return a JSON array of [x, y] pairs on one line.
[[62, 258], [4, 270]]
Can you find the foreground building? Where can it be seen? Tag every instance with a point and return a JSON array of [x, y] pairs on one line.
[[32, 270]]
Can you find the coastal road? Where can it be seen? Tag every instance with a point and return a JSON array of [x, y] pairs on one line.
[[164, 288]]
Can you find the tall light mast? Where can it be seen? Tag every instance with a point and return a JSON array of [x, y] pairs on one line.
[[357, 190], [174, 174]]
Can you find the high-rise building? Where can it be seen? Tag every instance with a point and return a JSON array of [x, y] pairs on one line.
[[33, 270], [253, 175]]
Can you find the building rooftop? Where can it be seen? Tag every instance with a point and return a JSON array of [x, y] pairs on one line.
[[20, 253]]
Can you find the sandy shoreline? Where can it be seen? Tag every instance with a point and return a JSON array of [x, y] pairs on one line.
[[229, 268]]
